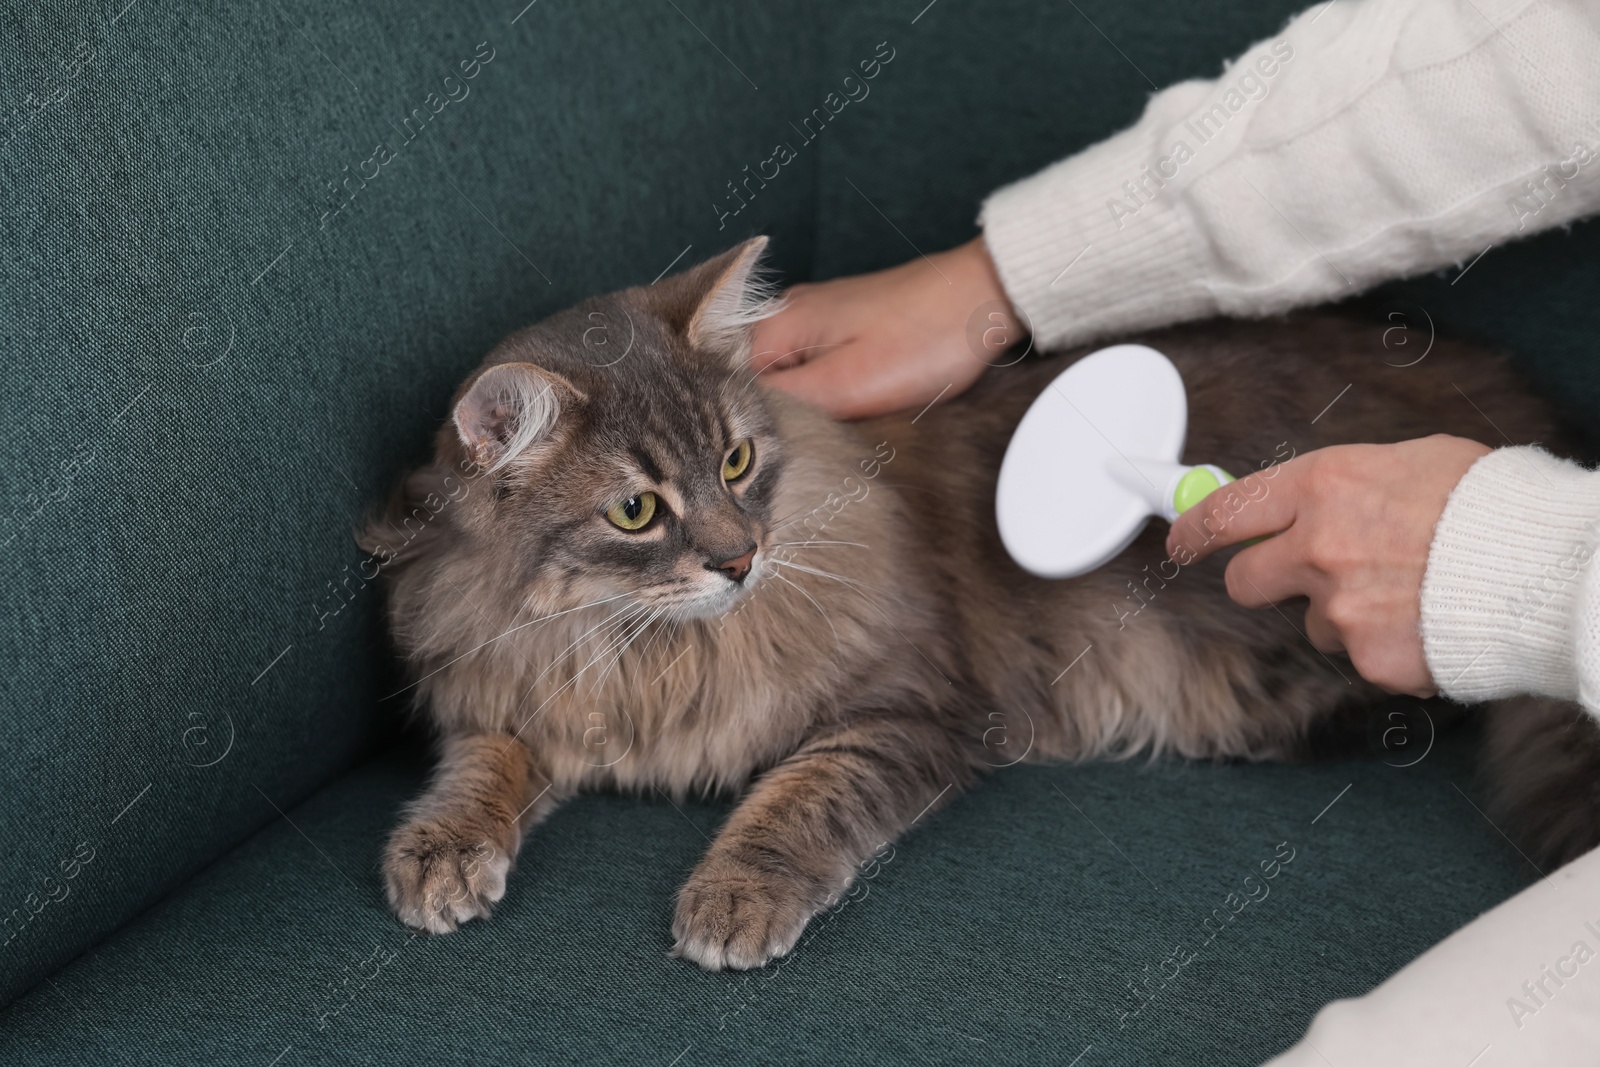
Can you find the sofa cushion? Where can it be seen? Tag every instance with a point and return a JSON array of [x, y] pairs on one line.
[[1010, 928]]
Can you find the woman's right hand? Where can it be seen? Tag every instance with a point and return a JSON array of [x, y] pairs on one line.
[[893, 339]]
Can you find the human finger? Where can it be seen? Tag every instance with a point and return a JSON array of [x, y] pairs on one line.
[[1254, 506], [1268, 573], [846, 386], [1321, 631]]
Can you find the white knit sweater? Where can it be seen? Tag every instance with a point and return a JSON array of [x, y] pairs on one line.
[[1370, 140]]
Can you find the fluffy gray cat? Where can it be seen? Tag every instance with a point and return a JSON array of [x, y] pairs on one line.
[[651, 572]]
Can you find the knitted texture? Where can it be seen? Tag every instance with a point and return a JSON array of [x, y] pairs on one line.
[[1367, 141], [1509, 600]]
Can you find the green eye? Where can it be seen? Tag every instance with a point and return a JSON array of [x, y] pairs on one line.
[[633, 513], [737, 462]]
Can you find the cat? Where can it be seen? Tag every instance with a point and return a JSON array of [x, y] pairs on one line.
[[631, 565]]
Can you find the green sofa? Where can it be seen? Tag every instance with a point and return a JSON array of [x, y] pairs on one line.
[[249, 250]]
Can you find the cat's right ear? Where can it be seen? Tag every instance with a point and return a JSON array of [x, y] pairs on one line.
[[734, 298], [508, 408], [714, 304]]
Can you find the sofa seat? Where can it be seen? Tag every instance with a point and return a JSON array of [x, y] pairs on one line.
[[1012, 927]]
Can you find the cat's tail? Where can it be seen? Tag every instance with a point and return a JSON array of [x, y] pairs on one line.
[[1542, 765]]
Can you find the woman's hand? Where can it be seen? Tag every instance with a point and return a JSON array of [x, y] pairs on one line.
[[1354, 524], [893, 339]]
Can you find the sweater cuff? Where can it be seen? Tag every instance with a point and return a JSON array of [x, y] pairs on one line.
[[1504, 577], [1077, 269]]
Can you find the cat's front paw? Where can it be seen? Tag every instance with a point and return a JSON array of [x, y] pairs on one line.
[[438, 876], [733, 916]]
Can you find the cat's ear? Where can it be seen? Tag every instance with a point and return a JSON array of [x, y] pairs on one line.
[[509, 407], [728, 295]]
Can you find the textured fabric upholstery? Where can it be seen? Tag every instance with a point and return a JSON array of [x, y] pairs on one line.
[[214, 358]]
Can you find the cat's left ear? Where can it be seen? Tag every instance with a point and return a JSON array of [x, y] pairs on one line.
[[509, 407], [726, 295]]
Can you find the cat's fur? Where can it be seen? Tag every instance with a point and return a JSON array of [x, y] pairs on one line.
[[884, 651]]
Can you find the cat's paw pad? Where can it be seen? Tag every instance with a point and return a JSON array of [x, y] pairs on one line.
[[437, 876], [735, 917]]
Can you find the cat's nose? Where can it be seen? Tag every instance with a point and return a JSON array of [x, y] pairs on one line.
[[737, 567]]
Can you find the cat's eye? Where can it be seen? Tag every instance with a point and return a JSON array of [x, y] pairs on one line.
[[737, 462], [633, 513]]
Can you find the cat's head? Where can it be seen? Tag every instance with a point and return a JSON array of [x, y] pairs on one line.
[[623, 448]]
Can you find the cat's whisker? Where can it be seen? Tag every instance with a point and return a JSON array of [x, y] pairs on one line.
[[507, 633], [610, 637], [615, 636], [853, 544], [609, 623], [857, 588], [814, 603], [558, 614], [616, 619], [857, 585], [648, 645], [618, 640], [822, 573], [625, 636], [637, 633]]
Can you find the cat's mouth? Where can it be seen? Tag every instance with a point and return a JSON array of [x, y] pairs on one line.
[[712, 596]]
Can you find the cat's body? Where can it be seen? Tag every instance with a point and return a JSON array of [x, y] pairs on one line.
[[881, 650]]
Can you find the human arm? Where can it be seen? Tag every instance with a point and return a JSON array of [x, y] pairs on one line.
[[1371, 140], [1499, 991], [1437, 564], [1511, 600], [1388, 139]]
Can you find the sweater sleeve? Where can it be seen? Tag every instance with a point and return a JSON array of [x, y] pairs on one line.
[[1486, 986], [1370, 140], [1510, 601]]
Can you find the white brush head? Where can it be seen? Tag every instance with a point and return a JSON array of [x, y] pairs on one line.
[[1095, 456]]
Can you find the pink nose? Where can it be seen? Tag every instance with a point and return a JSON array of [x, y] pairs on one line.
[[737, 567]]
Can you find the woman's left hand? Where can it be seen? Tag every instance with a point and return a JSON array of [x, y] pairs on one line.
[[1353, 526]]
